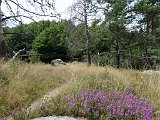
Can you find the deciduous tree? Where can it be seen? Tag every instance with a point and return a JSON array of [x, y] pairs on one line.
[[39, 8]]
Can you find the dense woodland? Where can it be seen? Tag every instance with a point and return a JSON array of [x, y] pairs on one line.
[[128, 35]]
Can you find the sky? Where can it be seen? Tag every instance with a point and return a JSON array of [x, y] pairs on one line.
[[62, 5], [61, 8]]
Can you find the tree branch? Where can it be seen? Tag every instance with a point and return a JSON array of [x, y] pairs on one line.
[[9, 17], [34, 13]]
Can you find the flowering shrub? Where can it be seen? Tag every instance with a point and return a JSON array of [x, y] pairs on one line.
[[96, 104]]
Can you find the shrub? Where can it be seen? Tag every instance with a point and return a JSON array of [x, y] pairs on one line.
[[95, 104], [50, 44]]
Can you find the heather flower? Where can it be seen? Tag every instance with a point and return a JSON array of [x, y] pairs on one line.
[[94, 103]]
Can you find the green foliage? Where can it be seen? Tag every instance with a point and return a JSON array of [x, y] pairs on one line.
[[51, 43], [20, 38], [113, 38], [76, 42], [101, 39], [36, 28], [134, 45], [33, 56]]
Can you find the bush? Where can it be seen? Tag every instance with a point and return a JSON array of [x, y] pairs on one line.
[[33, 57], [95, 104], [50, 44]]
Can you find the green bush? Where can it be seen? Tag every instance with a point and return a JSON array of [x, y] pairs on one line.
[[50, 44]]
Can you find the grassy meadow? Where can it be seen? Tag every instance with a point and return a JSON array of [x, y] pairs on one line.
[[21, 84]]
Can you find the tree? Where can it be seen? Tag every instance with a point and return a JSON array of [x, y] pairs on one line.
[[76, 42], [84, 10], [149, 23], [23, 35], [101, 44], [50, 44], [135, 29], [41, 8], [116, 17]]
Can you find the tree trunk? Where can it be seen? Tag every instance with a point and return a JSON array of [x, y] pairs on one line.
[[146, 43], [2, 43], [3, 46], [1, 28], [87, 36], [117, 54], [146, 39]]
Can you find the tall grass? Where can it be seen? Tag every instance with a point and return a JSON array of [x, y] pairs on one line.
[[22, 83]]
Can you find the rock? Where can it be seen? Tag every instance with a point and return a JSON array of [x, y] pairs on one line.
[[55, 118], [58, 62], [75, 62], [151, 73]]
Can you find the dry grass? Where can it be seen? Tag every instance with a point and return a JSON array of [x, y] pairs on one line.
[[22, 82], [140, 84]]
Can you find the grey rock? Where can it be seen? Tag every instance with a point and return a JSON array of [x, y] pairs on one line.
[[55, 118], [58, 62], [75, 62]]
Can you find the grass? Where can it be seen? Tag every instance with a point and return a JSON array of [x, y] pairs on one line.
[[22, 83]]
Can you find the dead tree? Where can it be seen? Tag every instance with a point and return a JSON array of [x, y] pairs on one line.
[[16, 54]]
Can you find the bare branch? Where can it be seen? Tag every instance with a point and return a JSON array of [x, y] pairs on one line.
[[78, 19], [9, 17], [17, 54], [34, 13]]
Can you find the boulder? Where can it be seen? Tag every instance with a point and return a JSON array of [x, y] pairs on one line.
[[75, 62], [58, 62]]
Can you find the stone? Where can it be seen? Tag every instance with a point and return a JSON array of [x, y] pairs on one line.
[[58, 62], [55, 118], [75, 62]]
